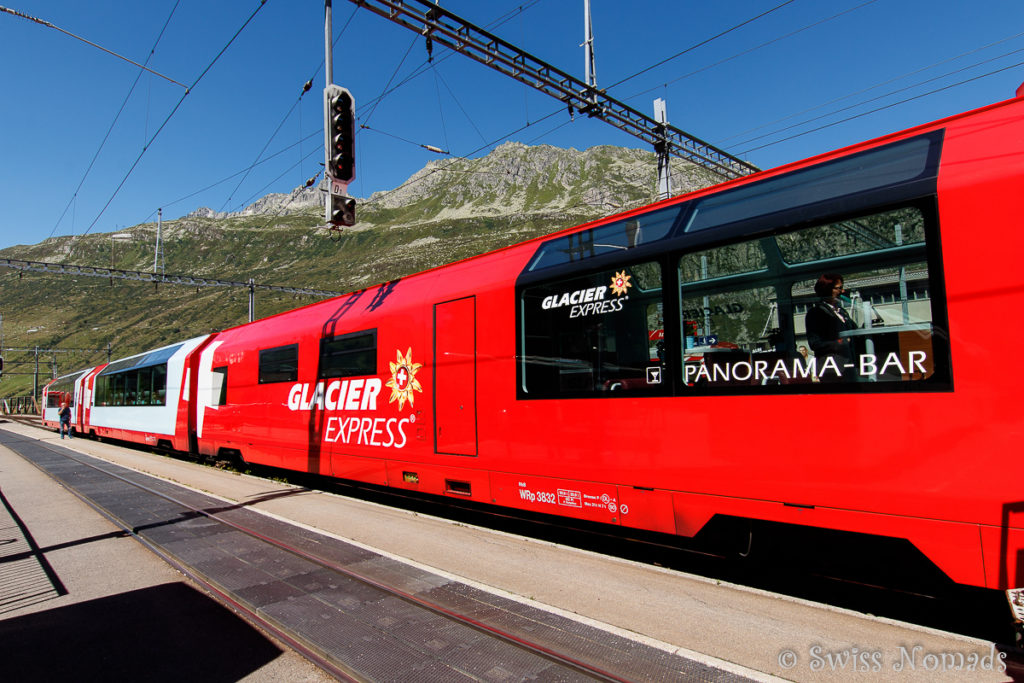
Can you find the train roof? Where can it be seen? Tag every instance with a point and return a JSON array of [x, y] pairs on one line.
[[528, 246]]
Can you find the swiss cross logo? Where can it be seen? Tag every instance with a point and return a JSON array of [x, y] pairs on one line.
[[403, 380]]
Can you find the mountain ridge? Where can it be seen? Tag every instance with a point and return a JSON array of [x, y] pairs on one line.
[[449, 210]]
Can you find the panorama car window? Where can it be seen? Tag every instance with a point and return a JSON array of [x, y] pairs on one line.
[[755, 315]]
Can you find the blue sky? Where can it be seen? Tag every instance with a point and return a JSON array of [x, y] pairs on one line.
[[851, 69]]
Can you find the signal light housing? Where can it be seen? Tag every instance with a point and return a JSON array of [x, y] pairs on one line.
[[341, 210], [340, 118]]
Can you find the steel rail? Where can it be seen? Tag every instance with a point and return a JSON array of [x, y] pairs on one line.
[[512, 639]]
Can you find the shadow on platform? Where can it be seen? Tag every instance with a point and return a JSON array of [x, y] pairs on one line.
[[169, 632]]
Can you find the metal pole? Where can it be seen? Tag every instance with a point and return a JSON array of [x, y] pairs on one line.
[[328, 51], [588, 44], [904, 303], [329, 75], [707, 300], [252, 299], [157, 253], [661, 147]]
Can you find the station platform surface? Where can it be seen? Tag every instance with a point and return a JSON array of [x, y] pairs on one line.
[[82, 600], [72, 583]]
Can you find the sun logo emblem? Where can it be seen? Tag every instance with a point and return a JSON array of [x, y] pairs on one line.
[[621, 283], [403, 379]]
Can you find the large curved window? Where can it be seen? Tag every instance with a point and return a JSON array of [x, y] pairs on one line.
[[755, 314]]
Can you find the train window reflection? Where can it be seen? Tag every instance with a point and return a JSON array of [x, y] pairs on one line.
[[349, 355], [854, 236], [732, 259], [611, 238], [280, 364], [600, 334], [841, 305]]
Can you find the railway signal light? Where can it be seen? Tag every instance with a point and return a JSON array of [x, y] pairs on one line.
[[341, 210], [340, 118]]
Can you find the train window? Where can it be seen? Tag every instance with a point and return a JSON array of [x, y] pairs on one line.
[[756, 313], [62, 391], [597, 335], [625, 234], [159, 395], [878, 169], [855, 236], [145, 386], [349, 355], [219, 386], [280, 364], [745, 257]]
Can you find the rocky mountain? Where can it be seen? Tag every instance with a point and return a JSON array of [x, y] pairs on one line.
[[450, 209]]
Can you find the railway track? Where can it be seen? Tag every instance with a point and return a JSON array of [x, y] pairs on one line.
[[840, 570], [359, 617]]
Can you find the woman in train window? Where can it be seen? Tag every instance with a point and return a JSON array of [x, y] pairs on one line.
[[824, 321]]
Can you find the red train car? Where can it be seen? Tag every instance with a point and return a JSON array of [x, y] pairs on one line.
[[74, 389], [142, 399], [681, 361]]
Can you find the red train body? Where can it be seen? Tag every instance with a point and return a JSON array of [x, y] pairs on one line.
[[646, 370]]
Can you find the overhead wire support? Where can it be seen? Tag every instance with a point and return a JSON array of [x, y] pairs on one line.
[[47, 24], [445, 28]]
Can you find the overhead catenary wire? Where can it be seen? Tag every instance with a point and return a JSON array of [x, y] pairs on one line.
[[459, 104], [306, 88], [372, 104], [171, 115], [884, 95], [265, 160], [263, 190], [264, 149], [380, 98], [89, 42], [429, 148], [872, 87], [252, 181], [703, 43], [113, 123], [753, 49], [891, 105], [442, 167]]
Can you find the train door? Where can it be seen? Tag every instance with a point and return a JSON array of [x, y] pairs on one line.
[[455, 376], [81, 402], [88, 394]]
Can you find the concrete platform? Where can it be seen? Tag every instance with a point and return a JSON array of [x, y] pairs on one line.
[[362, 614], [725, 625], [80, 600]]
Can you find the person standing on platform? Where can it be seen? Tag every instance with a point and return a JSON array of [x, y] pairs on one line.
[[65, 419]]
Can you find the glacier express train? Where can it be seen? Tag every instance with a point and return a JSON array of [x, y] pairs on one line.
[[664, 367]]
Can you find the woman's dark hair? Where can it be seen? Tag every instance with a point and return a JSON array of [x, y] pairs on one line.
[[825, 283]]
